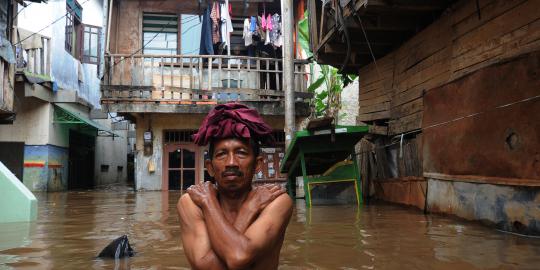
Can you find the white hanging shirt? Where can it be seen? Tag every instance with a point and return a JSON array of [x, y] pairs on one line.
[[226, 24], [247, 35]]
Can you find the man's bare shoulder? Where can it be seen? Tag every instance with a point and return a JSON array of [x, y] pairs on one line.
[[186, 206], [282, 204]]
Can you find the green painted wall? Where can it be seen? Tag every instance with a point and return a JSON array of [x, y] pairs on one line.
[[18, 203]]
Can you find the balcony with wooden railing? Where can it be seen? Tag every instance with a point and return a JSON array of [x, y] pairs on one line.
[[35, 60], [165, 83]]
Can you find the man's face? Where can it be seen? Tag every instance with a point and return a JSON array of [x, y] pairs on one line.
[[233, 164]]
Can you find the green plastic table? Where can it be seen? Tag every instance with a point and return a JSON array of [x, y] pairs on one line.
[[319, 160]]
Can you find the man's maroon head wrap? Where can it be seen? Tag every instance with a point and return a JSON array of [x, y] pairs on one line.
[[233, 120]]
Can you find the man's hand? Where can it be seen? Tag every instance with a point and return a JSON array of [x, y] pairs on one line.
[[261, 196], [202, 193]]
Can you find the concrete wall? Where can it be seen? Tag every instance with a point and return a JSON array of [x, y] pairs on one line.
[[349, 104], [31, 125], [45, 168], [65, 68], [112, 152], [509, 208]]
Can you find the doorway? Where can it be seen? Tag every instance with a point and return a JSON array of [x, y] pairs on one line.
[[12, 155], [81, 160], [180, 166]]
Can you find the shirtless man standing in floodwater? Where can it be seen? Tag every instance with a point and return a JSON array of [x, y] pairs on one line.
[[229, 224]]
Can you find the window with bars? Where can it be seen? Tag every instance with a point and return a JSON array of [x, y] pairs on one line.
[[179, 136]]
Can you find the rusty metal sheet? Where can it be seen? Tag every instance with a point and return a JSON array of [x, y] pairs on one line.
[[479, 135]]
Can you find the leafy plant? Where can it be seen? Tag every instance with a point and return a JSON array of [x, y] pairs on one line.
[[328, 86]]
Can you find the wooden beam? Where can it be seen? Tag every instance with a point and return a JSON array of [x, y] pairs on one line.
[[406, 6], [484, 179]]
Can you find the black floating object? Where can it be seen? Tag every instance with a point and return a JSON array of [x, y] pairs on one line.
[[117, 249]]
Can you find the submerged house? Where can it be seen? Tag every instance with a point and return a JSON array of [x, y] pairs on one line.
[[451, 93], [168, 63], [57, 138]]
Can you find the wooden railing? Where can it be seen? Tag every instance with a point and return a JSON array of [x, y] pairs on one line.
[[194, 77], [36, 60]]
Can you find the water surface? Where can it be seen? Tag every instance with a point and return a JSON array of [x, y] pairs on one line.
[[73, 227]]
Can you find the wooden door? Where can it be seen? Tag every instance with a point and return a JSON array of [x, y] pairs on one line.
[[180, 166]]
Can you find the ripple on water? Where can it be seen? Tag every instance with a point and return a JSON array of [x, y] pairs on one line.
[[73, 227]]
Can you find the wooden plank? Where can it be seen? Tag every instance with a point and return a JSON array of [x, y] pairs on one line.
[[408, 108], [385, 106], [161, 74], [515, 18], [373, 116], [191, 83], [520, 41], [433, 64], [404, 97], [122, 70], [131, 70], [152, 71], [111, 69], [488, 11], [312, 7], [405, 124], [372, 95], [377, 100], [380, 130], [209, 74], [48, 69], [484, 179], [200, 70], [465, 9]]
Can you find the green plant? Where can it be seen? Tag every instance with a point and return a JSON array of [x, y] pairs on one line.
[[328, 86]]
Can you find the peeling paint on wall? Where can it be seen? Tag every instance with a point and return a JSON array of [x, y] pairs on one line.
[[45, 167], [509, 208]]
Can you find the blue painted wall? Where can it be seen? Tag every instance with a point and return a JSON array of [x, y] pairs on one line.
[[45, 167]]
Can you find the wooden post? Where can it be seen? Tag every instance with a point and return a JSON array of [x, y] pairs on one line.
[[210, 74], [161, 64], [201, 73], [152, 70], [48, 71], [122, 70], [132, 69], [288, 68], [111, 69]]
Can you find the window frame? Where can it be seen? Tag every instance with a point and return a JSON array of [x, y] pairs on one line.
[[72, 29], [87, 58], [143, 31]]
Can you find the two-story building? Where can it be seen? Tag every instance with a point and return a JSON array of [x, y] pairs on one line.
[[58, 138], [161, 73]]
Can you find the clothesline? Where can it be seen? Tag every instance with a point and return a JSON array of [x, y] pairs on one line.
[[257, 30]]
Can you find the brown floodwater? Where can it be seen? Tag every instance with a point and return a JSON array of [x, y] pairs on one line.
[[73, 227]]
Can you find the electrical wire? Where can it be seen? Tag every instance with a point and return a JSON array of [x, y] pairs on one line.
[[453, 120], [146, 44], [49, 25]]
